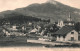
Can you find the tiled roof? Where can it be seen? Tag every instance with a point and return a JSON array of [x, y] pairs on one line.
[[64, 30]]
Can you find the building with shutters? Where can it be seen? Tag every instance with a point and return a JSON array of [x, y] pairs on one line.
[[66, 33]]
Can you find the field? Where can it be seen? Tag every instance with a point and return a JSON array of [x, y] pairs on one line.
[[18, 42], [32, 42]]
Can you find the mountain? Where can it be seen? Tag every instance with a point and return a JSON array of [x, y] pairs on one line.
[[49, 10], [16, 18]]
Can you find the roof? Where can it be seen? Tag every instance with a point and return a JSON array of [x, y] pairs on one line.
[[6, 29], [9, 29], [64, 30], [69, 22], [66, 22]]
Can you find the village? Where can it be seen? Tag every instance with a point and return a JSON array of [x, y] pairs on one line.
[[57, 33]]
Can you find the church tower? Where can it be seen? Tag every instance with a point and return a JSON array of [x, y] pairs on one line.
[[60, 23], [69, 18]]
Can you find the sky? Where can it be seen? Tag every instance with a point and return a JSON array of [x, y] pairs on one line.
[[13, 4]]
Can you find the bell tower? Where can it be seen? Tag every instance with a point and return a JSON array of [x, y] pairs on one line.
[[69, 18]]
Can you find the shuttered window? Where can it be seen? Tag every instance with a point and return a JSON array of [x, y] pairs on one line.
[[72, 32]]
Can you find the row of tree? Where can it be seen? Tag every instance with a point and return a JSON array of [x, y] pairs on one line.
[[14, 18], [77, 26]]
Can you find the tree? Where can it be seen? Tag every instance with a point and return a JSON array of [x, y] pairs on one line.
[[77, 26], [53, 28]]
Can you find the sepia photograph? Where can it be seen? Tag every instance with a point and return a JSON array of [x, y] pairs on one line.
[[39, 25]]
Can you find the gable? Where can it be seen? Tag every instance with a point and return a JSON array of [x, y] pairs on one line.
[[73, 32]]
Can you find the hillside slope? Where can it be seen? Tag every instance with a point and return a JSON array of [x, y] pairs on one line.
[[47, 10]]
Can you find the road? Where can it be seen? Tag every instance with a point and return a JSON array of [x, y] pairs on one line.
[[43, 42]]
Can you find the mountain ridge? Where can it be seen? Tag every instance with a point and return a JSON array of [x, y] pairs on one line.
[[47, 10]]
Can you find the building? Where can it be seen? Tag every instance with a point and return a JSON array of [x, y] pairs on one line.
[[60, 23], [33, 31], [69, 22], [6, 32], [14, 27], [10, 32], [66, 33]]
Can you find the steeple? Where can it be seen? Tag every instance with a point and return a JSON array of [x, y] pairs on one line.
[[69, 18]]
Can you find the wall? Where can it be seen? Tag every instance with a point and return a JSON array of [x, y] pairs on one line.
[[60, 38], [4, 30], [60, 24], [69, 35]]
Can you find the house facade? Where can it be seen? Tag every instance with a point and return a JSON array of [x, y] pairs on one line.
[[6, 32], [66, 33], [71, 36]]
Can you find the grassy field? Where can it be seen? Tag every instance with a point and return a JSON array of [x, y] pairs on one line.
[[17, 42], [23, 42], [20, 44]]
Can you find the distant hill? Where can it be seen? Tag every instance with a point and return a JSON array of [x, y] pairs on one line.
[[47, 10], [17, 18]]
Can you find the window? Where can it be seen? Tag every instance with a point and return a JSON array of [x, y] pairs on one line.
[[72, 38], [72, 32]]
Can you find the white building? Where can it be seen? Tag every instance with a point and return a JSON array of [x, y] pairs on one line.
[[33, 31], [69, 22], [7, 33], [66, 33], [60, 23]]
